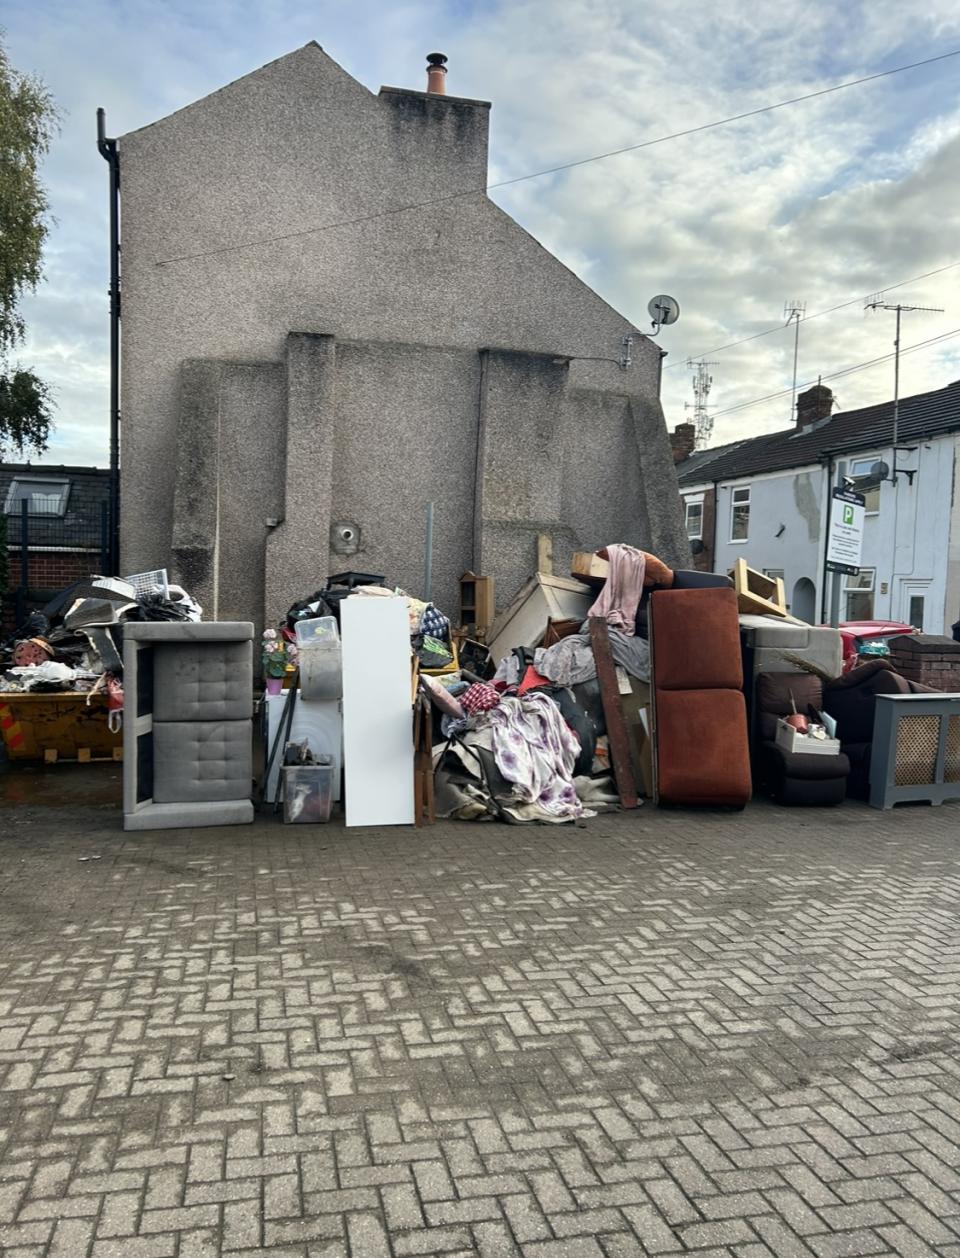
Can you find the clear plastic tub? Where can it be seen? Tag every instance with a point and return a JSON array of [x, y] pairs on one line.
[[321, 631], [307, 793], [318, 643]]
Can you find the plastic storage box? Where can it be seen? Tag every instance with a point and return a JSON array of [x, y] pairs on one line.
[[318, 643], [307, 793]]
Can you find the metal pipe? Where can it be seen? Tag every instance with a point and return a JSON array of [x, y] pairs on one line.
[[428, 561], [896, 410], [23, 590], [828, 490], [108, 151]]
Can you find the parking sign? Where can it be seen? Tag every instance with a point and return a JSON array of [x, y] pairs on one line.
[[845, 540]]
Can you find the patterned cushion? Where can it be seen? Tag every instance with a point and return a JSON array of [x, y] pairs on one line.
[[479, 698]]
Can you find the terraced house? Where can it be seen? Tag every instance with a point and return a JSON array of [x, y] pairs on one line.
[[766, 499]]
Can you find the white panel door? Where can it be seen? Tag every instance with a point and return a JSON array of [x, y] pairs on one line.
[[377, 711]]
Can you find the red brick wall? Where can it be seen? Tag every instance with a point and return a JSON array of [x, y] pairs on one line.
[[704, 561], [938, 667], [47, 572]]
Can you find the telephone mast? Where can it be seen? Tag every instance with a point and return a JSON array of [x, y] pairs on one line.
[[703, 421]]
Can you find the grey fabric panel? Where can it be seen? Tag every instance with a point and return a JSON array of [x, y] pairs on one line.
[[234, 812], [202, 761], [189, 631], [203, 681]]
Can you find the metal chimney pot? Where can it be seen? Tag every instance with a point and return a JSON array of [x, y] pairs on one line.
[[436, 73]]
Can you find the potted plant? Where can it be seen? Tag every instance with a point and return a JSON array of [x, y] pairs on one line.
[[273, 659]]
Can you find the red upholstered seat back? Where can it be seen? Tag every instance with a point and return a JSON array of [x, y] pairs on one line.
[[702, 754], [697, 640]]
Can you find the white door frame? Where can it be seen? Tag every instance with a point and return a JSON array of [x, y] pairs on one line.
[[911, 588]]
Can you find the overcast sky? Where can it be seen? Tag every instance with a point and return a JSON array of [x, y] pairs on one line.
[[824, 201]]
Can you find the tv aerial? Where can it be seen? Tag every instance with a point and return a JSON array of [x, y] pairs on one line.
[[663, 311]]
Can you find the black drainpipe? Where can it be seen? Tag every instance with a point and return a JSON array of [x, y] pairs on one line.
[[108, 151], [826, 593]]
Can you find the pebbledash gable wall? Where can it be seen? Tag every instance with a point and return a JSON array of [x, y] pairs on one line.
[[289, 408]]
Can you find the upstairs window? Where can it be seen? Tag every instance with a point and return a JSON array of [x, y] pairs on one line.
[[740, 515], [871, 495], [43, 497], [694, 515]]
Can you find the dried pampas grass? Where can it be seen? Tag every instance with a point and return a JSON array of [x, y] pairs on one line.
[[808, 666]]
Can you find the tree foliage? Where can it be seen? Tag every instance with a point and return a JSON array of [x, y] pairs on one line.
[[28, 120]]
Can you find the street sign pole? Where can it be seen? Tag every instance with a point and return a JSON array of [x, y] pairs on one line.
[[844, 542]]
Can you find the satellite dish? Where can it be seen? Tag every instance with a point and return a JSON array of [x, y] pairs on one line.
[[880, 471], [663, 310]]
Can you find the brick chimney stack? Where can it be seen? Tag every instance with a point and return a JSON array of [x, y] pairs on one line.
[[813, 404], [682, 440]]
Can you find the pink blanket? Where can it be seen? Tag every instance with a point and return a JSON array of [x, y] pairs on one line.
[[620, 595]]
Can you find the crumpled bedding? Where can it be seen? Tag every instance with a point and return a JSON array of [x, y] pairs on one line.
[[620, 597], [515, 765], [570, 661]]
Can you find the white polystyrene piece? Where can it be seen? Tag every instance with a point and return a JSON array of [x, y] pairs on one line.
[[377, 711]]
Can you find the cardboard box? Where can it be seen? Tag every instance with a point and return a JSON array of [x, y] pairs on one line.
[[634, 704], [803, 744]]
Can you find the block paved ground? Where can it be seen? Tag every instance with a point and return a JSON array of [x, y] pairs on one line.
[[663, 1033]]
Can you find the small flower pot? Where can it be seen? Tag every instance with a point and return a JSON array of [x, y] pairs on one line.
[[274, 685]]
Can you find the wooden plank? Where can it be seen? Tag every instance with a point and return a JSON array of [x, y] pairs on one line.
[[586, 566], [545, 553], [83, 755], [620, 758]]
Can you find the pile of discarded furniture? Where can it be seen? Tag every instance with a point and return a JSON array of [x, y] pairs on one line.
[[622, 681]]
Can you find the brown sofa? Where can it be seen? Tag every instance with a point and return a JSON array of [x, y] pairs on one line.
[[852, 700], [700, 719]]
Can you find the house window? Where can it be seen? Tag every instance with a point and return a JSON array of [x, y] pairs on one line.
[[871, 494], [858, 592], [776, 573], [694, 511], [740, 515], [43, 497], [916, 612]]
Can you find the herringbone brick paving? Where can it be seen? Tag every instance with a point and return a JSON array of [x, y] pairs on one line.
[[663, 1033]]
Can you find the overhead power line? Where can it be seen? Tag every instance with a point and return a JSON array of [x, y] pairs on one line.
[[835, 375], [853, 301], [552, 170], [722, 122]]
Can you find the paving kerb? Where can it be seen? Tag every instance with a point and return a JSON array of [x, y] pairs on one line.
[[665, 1032]]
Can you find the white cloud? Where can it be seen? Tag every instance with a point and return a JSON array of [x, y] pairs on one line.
[[823, 200]]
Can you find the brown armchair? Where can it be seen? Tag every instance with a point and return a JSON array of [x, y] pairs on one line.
[[852, 700], [792, 777]]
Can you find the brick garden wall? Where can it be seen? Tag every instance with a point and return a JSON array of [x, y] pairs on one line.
[[47, 572], [929, 659]]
